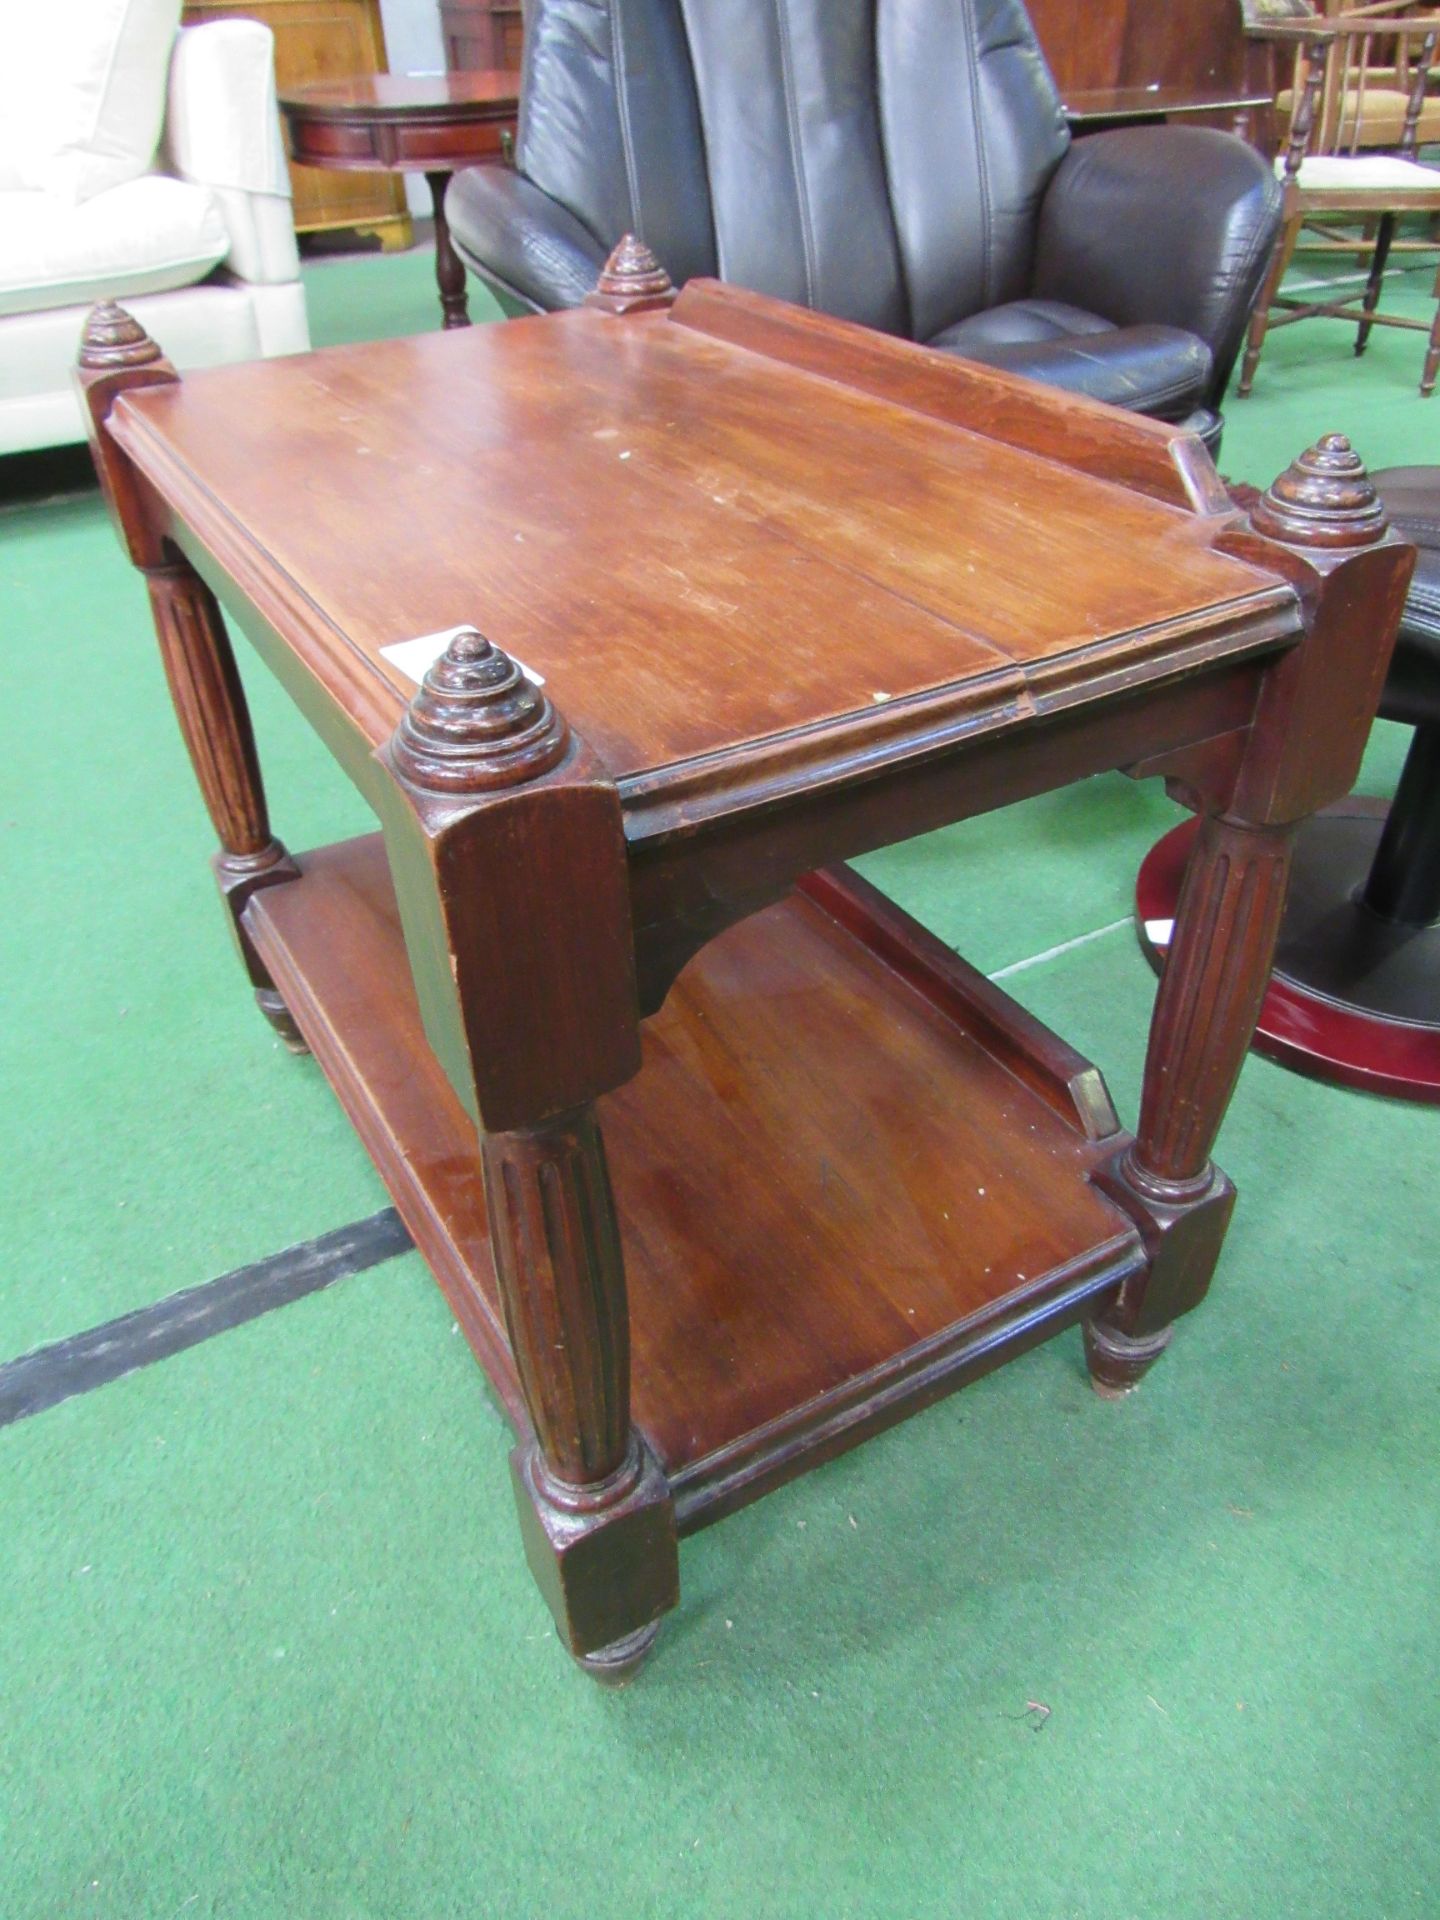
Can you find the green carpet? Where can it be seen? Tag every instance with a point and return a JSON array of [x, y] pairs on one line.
[[268, 1646]]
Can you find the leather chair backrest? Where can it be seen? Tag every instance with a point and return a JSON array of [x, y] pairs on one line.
[[610, 125], [883, 160]]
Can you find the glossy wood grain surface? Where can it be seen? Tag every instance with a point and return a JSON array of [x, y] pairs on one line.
[[406, 94], [696, 546], [404, 123], [885, 1223], [1153, 457], [1101, 106], [1128, 43]]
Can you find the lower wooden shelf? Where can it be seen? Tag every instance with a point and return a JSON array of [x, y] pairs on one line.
[[850, 1174]]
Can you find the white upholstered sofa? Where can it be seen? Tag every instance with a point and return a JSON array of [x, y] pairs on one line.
[[141, 163]]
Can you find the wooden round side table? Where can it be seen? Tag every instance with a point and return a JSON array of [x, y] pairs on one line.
[[407, 123]]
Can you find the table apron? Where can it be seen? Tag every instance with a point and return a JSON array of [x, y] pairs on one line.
[[394, 146], [690, 884], [688, 888]]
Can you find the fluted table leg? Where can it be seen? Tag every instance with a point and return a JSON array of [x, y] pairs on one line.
[[116, 356], [1322, 524]]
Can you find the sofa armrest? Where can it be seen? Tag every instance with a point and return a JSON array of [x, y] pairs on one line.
[[529, 248], [222, 131], [1161, 226]]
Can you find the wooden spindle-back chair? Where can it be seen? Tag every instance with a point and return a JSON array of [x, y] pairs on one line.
[[1340, 165]]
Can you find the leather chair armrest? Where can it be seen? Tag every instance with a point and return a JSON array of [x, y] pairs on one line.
[[531, 250], [1167, 226]]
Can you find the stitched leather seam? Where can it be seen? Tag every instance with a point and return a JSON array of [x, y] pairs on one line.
[[622, 108], [987, 222], [1142, 392], [787, 75], [1157, 396], [882, 140], [1141, 396]]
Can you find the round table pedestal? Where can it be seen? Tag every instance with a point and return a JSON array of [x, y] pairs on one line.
[[1354, 998]]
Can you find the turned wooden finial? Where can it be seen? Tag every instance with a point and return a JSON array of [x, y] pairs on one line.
[[631, 281], [1323, 499], [477, 723], [114, 340], [117, 356]]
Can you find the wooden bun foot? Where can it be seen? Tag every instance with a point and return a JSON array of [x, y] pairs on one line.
[[617, 1664], [281, 1019], [1117, 1362]]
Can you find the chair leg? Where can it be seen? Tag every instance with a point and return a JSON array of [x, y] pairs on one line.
[[1384, 234], [1260, 318], [1432, 351]]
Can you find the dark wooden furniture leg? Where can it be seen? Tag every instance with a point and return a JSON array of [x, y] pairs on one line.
[[1384, 235], [215, 722], [507, 850], [1432, 348], [1205, 1012], [1403, 885], [1260, 314], [200, 668], [1302, 751], [449, 271], [595, 1511]]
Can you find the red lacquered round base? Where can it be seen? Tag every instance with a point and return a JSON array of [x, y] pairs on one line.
[[1353, 999]]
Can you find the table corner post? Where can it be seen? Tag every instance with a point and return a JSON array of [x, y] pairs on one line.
[[1322, 526], [117, 356], [507, 848]]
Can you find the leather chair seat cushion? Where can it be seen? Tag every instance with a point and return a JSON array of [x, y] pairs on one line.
[[1412, 690], [1022, 323], [142, 237], [1163, 371]]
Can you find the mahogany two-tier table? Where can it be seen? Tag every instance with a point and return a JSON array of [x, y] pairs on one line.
[[630, 623]]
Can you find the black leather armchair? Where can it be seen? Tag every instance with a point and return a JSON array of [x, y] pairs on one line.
[[903, 163]]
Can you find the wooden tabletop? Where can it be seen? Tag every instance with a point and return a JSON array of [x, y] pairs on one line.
[[1163, 102], [400, 95], [698, 548]]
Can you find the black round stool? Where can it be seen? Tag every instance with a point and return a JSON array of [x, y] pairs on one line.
[[1355, 995]]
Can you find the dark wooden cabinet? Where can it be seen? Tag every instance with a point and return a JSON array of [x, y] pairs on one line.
[[481, 34], [1139, 43], [1102, 43], [1182, 47]]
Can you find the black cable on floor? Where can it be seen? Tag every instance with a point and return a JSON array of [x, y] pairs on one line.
[[50, 1374]]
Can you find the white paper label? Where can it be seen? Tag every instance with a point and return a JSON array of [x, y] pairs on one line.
[[413, 657]]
